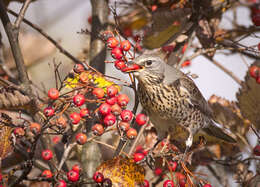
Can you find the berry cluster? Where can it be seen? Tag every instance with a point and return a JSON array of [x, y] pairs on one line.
[[255, 73]]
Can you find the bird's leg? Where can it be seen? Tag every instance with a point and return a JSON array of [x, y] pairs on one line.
[[188, 146]]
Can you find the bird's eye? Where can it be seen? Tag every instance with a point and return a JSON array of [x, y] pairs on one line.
[[148, 62]]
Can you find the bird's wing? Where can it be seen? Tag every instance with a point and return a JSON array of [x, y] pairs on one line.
[[187, 87]]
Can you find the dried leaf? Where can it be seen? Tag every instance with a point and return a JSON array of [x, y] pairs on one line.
[[5, 142], [122, 171], [249, 98]]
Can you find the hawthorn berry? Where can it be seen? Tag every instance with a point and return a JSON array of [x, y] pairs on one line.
[[184, 48], [98, 177], [254, 71], [154, 7], [90, 20], [109, 120], [172, 166], [84, 77], [112, 91], [181, 179], [104, 109], [256, 150], [78, 68], [18, 131], [112, 100], [207, 185], [138, 157], [61, 122], [127, 32], [77, 168], [1, 177], [126, 115], [258, 46], [112, 42], [61, 183], [46, 174], [122, 99], [81, 138], [53, 93], [120, 64], [124, 126], [48, 111], [168, 183], [106, 183], [35, 128], [98, 92], [131, 67], [158, 171], [47, 154], [125, 45], [79, 99], [258, 80], [75, 118], [73, 176], [256, 19], [116, 109], [145, 183], [97, 129], [131, 133], [84, 112], [117, 53], [141, 119]]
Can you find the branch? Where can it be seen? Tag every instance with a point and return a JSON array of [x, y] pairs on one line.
[[21, 14], [16, 50]]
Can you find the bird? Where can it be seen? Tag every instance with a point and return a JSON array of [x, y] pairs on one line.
[[171, 98]]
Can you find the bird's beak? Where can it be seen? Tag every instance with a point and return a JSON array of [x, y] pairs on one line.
[[132, 68]]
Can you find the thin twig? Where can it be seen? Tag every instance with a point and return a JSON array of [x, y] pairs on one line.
[[66, 154], [21, 14]]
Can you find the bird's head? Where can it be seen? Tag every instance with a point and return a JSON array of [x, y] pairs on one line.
[[150, 68]]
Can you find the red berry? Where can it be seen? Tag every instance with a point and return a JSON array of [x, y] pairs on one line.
[[112, 91], [258, 80], [254, 71], [168, 48], [112, 42], [61, 183], [126, 115], [256, 150], [48, 111], [75, 118], [116, 109], [117, 53], [168, 183], [172, 166], [104, 109], [98, 92], [73, 176], [35, 128], [53, 93], [128, 32], [138, 157], [207, 185], [141, 119], [46, 174], [18, 131], [119, 64], [145, 183], [76, 168], [125, 45], [122, 100], [109, 120], [112, 100], [90, 20], [256, 19], [84, 77], [81, 138], [47, 154], [154, 7], [158, 171], [181, 179], [106, 34], [131, 67], [98, 177], [131, 133], [185, 64], [98, 129], [258, 46], [79, 99], [78, 68], [124, 126], [84, 112], [1, 177]]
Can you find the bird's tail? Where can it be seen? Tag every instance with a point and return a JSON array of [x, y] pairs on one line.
[[215, 130]]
